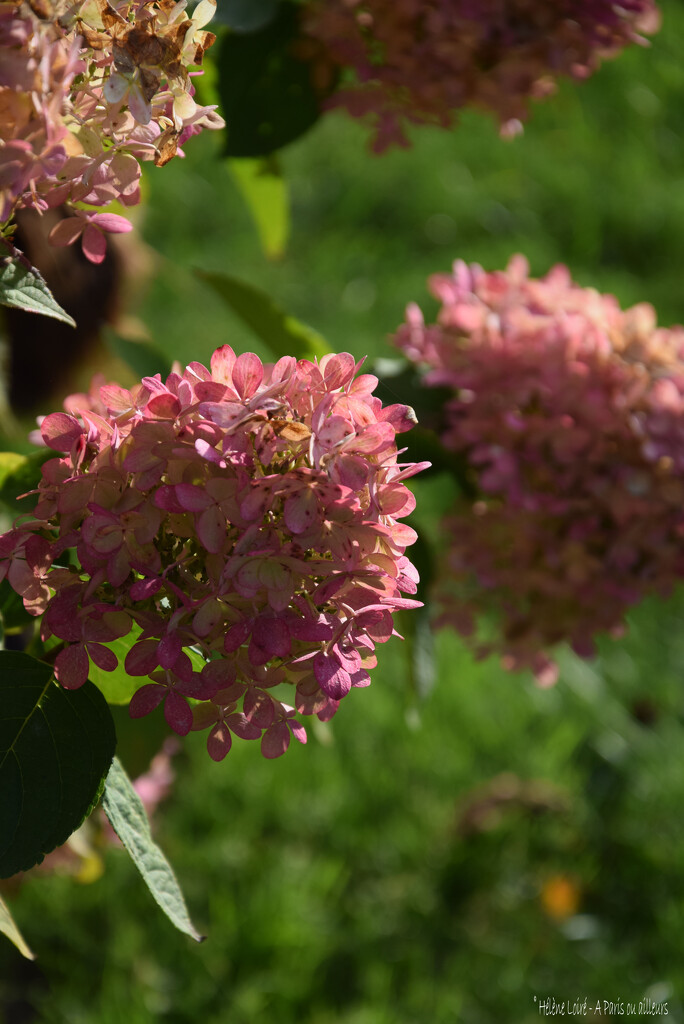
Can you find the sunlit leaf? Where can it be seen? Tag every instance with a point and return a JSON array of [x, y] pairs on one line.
[[9, 928], [56, 746], [264, 190], [127, 817], [23, 287], [284, 335]]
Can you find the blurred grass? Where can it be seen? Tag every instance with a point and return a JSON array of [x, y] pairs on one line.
[[379, 875]]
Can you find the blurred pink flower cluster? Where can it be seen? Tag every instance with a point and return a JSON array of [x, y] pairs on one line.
[[420, 61], [88, 89], [569, 415], [242, 521]]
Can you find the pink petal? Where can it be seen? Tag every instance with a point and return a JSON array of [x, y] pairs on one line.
[[298, 730], [177, 713], [236, 636], [169, 650], [258, 708], [331, 677], [300, 511], [71, 666], [337, 369], [222, 362], [163, 407], [103, 657], [211, 529], [67, 231], [146, 699], [60, 431], [242, 727], [401, 417], [217, 675], [94, 244], [275, 740], [373, 439], [248, 373], [272, 635], [142, 658], [111, 222], [219, 741], [142, 589], [192, 498]]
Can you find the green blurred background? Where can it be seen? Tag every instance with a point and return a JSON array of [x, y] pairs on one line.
[[450, 857]]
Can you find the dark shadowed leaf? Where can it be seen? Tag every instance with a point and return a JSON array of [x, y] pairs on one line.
[[143, 358], [56, 747], [127, 816], [245, 15], [13, 615], [284, 335], [24, 288], [267, 94]]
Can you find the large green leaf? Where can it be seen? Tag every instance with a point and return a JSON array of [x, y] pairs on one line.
[[283, 334], [127, 816], [267, 93], [23, 287], [264, 190], [9, 928], [56, 747]]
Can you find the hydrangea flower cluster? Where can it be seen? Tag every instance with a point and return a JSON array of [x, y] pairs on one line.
[[569, 414], [240, 525], [420, 61], [88, 89]]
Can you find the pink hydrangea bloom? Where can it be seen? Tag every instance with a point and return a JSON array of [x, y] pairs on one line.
[[420, 61], [244, 521], [568, 416], [89, 92]]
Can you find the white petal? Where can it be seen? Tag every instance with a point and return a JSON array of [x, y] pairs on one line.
[[115, 88], [204, 12]]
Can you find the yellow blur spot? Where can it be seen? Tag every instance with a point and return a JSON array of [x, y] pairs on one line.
[[560, 897]]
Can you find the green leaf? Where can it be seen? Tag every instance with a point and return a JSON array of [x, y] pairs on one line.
[[117, 686], [245, 15], [267, 93], [23, 287], [9, 463], [264, 190], [9, 928], [143, 358], [20, 474], [56, 746], [284, 335], [127, 817]]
